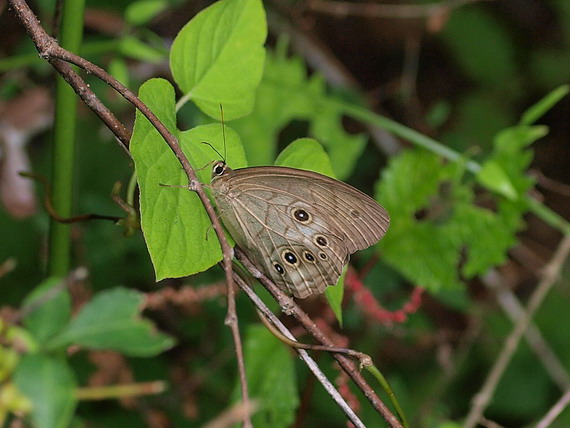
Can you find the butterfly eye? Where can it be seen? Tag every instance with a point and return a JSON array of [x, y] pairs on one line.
[[279, 268], [219, 168], [301, 215], [308, 256], [289, 257], [321, 241]]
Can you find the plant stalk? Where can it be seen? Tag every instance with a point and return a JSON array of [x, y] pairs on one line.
[[63, 154]]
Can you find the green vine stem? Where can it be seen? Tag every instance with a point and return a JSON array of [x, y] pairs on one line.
[[362, 114], [63, 154]]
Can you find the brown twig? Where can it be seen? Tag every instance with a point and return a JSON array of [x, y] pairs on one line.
[[82, 89], [49, 49], [51, 210], [7, 266], [550, 184], [291, 308], [549, 277], [363, 359], [184, 296], [311, 364], [537, 343], [364, 298], [397, 11], [555, 411], [232, 415]]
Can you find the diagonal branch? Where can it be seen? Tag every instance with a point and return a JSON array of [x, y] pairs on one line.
[[49, 49], [82, 89], [550, 276], [393, 11], [321, 377], [291, 308]]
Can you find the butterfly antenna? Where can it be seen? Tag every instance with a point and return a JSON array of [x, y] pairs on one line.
[[214, 149], [223, 131]]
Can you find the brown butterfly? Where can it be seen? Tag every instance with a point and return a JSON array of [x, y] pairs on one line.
[[299, 227]]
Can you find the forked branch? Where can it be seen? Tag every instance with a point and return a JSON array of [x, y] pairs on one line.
[[49, 49], [347, 364]]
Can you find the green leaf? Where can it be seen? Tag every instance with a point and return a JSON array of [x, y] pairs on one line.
[[49, 384], [271, 378], [436, 231], [285, 94], [535, 112], [510, 153], [420, 250], [424, 254], [306, 153], [175, 224], [154, 164], [411, 177], [111, 320], [50, 307], [132, 47], [494, 178], [486, 237], [142, 11], [218, 57], [334, 296]]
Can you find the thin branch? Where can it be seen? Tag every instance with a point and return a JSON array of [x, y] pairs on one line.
[[400, 11], [550, 184], [232, 415], [51, 210], [364, 359], [550, 276], [291, 308], [49, 49], [554, 411], [93, 393], [514, 309], [7, 266], [82, 89], [321, 377]]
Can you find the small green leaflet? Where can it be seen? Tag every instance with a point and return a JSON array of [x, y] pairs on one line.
[[217, 58], [111, 320]]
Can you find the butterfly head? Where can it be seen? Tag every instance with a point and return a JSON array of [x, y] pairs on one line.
[[220, 169]]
